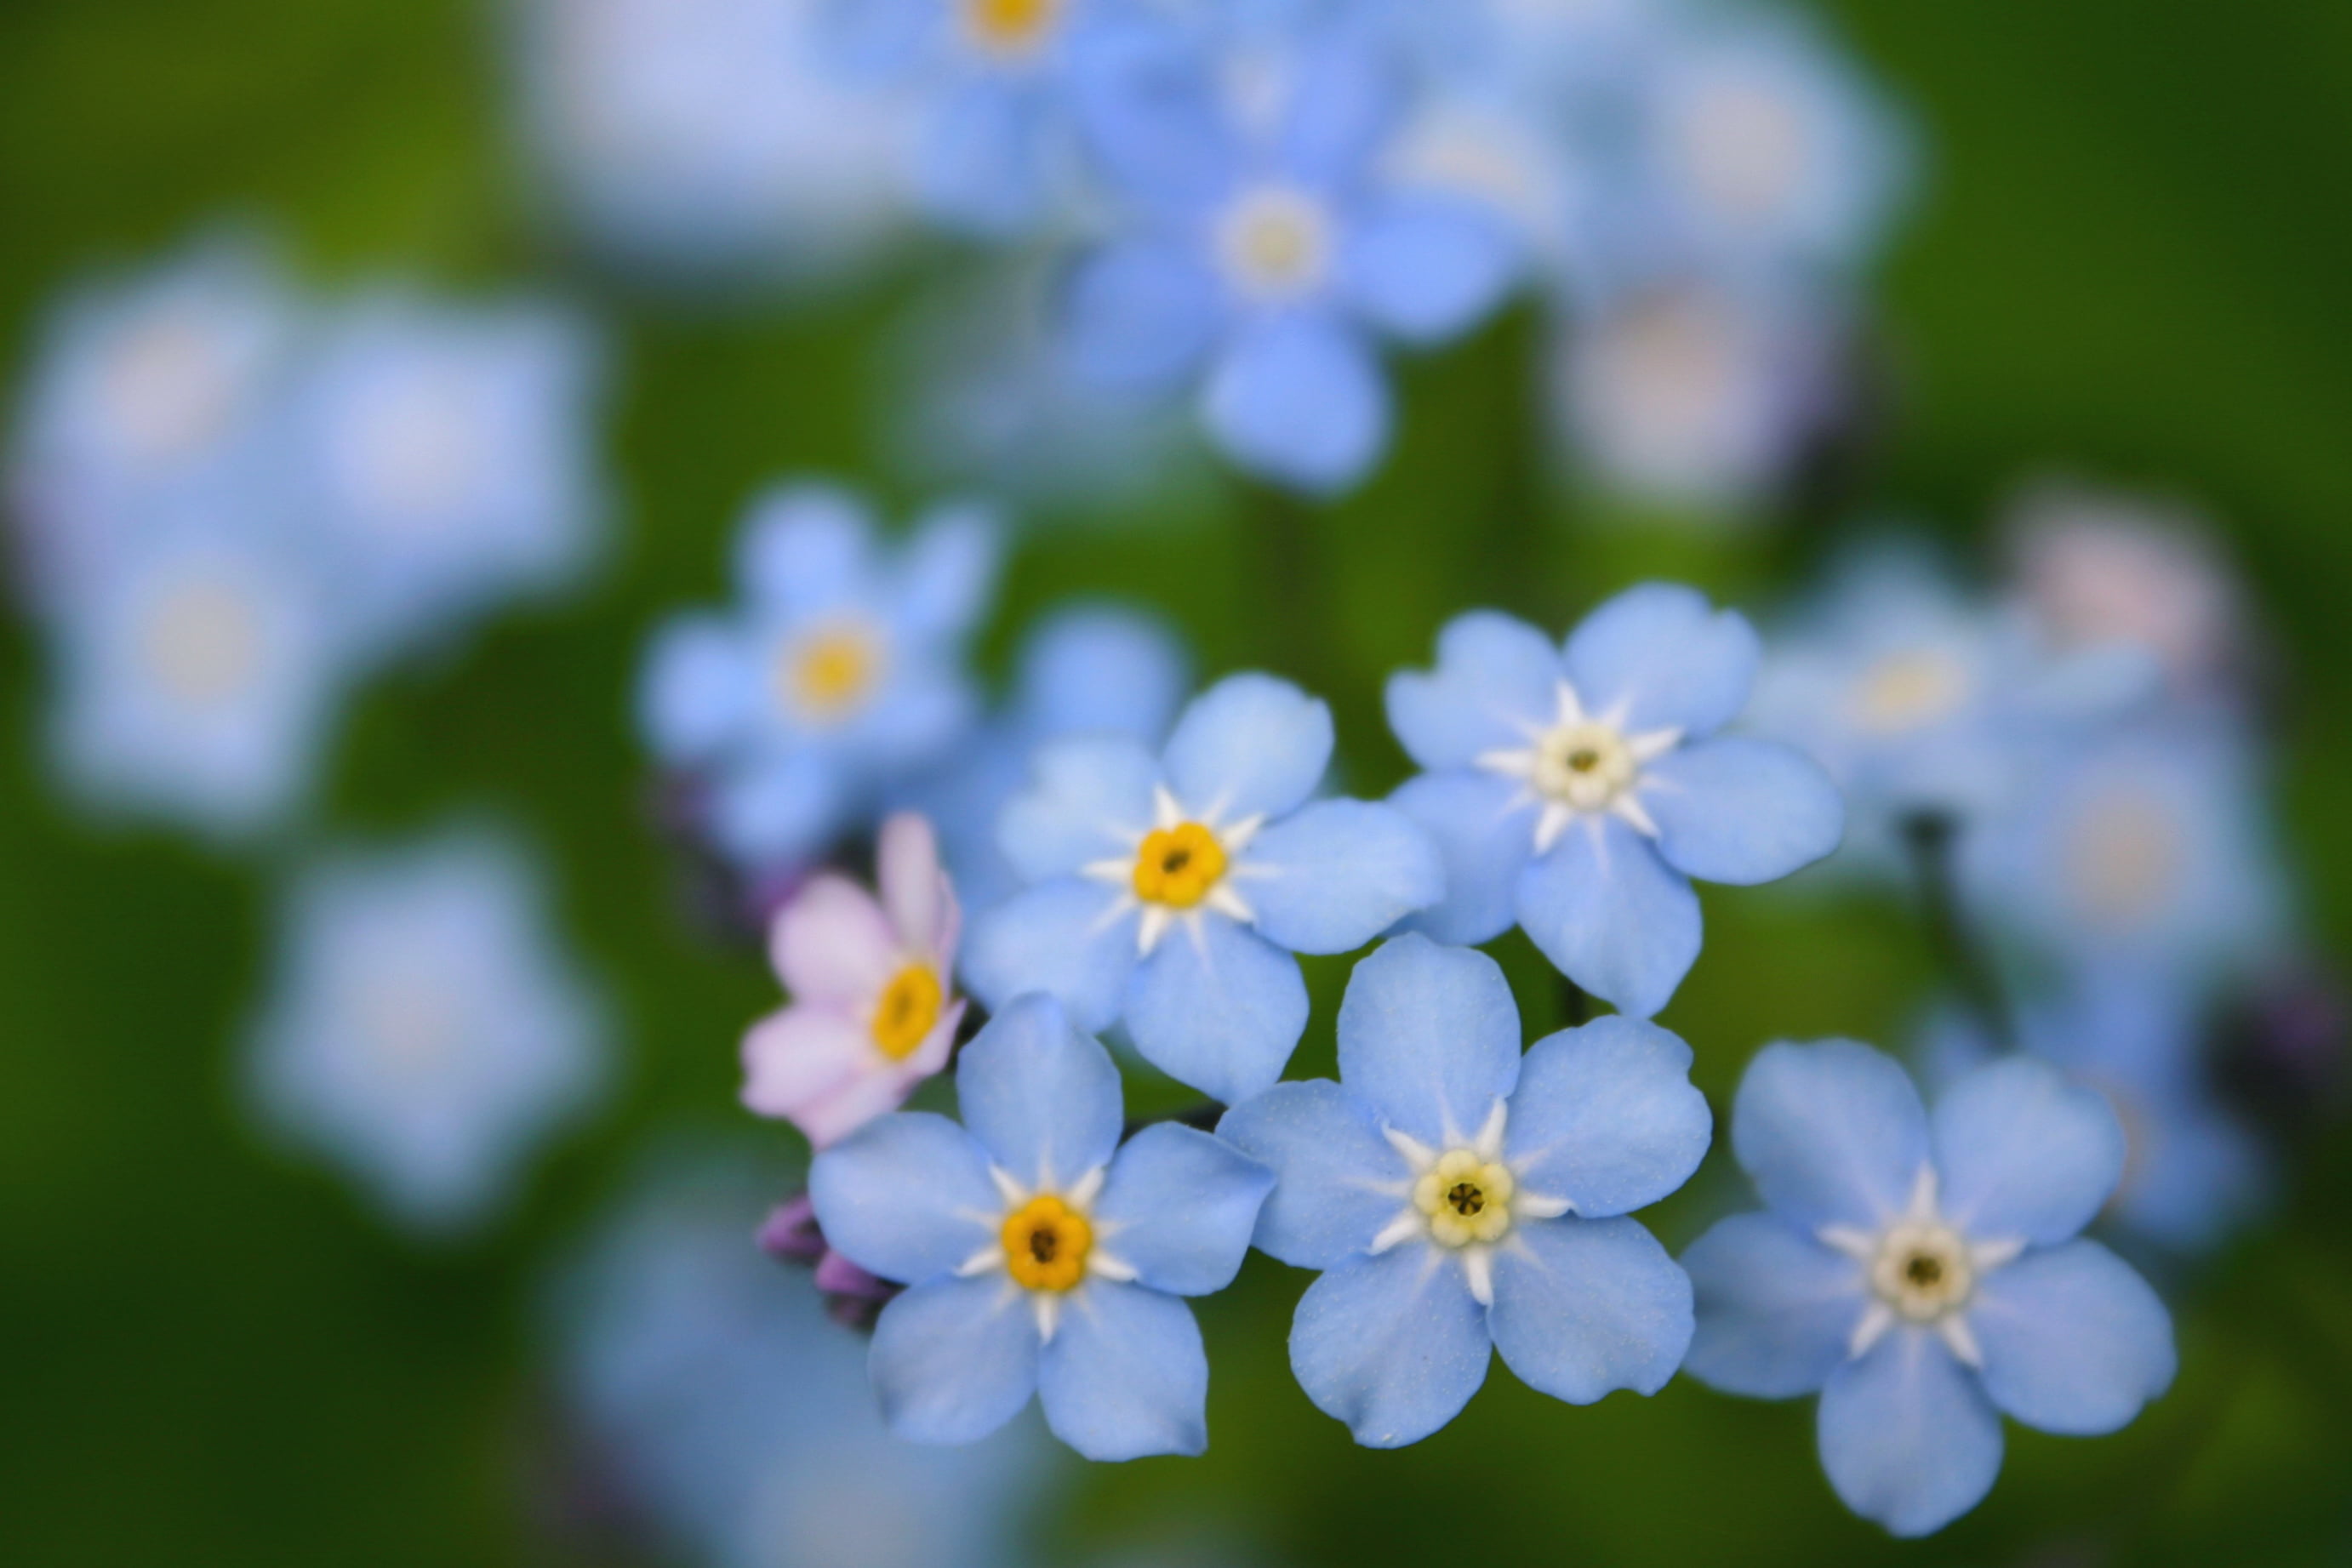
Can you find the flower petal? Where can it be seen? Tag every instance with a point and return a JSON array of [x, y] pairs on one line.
[[1739, 810], [947, 571], [2074, 1339], [1393, 1346], [1496, 679], [1484, 828], [807, 548], [1043, 1098], [1126, 1374], [779, 805], [1583, 1307], [916, 894], [1250, 745], [954, 1359], [981, 160], [2026, 1152], [1337, 1179], [1663, 657], [1605, 1116], [1430, 1037], [1060, 937], [1218, 1007], [696, 690], [1776, 1309], [1612, 915], [906, 1197], [1099, 668], [1299, 401], [1427, 264], [1179, 1208], [1832, 1133], [793, 1059], [1331, 877], [832, 945], [1088, 798], [1138, 316], [1907, 1435]]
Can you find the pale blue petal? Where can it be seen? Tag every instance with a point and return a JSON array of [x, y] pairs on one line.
[[2026, 1152], [1429, 1036], [896, 1197], [1250, 745], [1087, 800], [2074, 1339], [1057, 937], [1497, 681], [1775, 1308], [1217, 1008], [1299, 401], [697, 691], [948, 570], [1101, 669], [1139, 316], [1126, 1376], [1832, 1133], [1584, 1307], [1330, 1163], [981, 164], [1342, 105], [1739, 810], [1665, 658], [1612, 915], [954, 1359], [779, 805], [1332, 876], [807, 548], [1907, 1435], [1043, 1098], [1393, 1346], [1484, 834], [1426, 266], [1179, 1208], [1605, 1117]]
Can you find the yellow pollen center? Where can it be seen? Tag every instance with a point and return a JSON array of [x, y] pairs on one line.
[[1011, 26], [827, 674], [1908, 692], [1923, 1271], [204, 642], [1177, 866], [907, 1010], [1045, 1244], [1465, 1198], [1275, 243], [2124, 858], [1585, 766]]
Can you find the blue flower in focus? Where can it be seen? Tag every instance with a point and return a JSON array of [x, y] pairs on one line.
[[1462, 1199], [840, 674], [1170, 892], [1263, 244], [1041, 1257], [426, 1030], [1577, 790], [1924, 1274]]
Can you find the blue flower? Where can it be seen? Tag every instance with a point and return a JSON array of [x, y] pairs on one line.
[[839, 674], [1460, 1197], [1924, 1274], [426, 1030], [1261, 244], [1170, 892], [1577, 790], [1041, 1256]]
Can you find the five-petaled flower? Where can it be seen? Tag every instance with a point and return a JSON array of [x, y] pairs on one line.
[[1041, 1256], [1577, 790], [1170, 892], [1924, 1274], [1461, 1199]]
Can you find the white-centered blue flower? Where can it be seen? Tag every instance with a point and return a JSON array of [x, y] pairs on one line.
[[1924, 1274], [426, 1030], [1041, 1257], [1169, 893], [1462, 1199], [840, 674], [1577, 789]]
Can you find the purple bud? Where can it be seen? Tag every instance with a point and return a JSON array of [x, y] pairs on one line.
[[790, 1234]]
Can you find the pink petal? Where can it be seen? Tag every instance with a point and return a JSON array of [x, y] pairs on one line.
[[800, 1057], [853, 1101], [914, 891], [831, 944]]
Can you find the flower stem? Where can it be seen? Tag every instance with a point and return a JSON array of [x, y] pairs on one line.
[[1930, 836]]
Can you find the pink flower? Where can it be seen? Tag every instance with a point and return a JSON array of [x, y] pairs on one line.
[[872, 1014]]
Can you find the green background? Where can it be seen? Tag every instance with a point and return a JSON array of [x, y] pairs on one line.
[[2131, 258]]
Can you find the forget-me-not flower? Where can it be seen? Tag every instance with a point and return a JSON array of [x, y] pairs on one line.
[[840, 674], [1462, 1199], [1042, 1258], [1924, 1274], [1169, 893], [1578, 789]]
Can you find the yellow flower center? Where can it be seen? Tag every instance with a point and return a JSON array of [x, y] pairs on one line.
[[2124, 858], [1045, 1244], [1275, 243], [908, 1009], [1584, 764], [1011, 26], [1464, 1198], [1177, 866], [1923, 1271], [1909, 690], [204, 642], [827, 675]]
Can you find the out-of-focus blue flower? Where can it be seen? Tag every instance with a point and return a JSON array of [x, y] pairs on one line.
[[1461, 1199], [1577, 789], [1042, 1258], [738, 1419], [1923, 1275], [839, 673], [1263, 242], [426, 1030], [1170, 892]]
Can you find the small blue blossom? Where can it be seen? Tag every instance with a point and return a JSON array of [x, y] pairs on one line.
[[1461, 1198], [1169, 893], [1042, 1258], [1577, 789], [1923, 1275], [840, 674], [426, 1030]]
